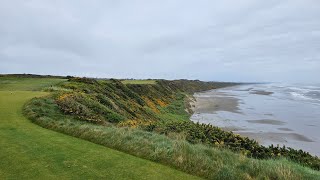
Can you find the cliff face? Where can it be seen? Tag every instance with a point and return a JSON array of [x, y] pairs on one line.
[[112, 101], [157, 107]]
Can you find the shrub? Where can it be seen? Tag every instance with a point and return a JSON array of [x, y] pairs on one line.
[[86, 109], [214, 136]]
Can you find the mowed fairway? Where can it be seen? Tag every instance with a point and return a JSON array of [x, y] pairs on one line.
[[28, 151]]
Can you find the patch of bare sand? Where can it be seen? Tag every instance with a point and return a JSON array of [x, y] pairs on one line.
[[213, 104]]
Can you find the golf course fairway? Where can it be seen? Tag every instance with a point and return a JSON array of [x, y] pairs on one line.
[[28, 151]]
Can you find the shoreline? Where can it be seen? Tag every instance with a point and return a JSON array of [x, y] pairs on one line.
[[212, 106], [217, 103]]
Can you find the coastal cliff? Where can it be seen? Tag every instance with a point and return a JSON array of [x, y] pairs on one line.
[[150, 119]]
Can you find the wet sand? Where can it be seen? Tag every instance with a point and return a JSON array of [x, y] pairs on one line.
[[260, 92], [285, 129], [267, 121], [225, 110], [275, 137], [203, 104]]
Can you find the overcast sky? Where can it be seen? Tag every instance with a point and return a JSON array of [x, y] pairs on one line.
[[225, 40]]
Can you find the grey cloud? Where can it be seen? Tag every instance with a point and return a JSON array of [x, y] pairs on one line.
[[247, 40]]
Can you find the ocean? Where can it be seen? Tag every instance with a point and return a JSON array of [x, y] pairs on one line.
[[273, 113]]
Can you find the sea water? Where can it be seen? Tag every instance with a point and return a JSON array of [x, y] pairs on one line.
[[274, 113]]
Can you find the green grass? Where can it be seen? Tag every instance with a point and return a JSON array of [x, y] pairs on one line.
[[175, 111], [28, 151], [26, 84], [139, 82]]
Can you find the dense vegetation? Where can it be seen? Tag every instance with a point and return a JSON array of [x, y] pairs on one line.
[[172, 150], [157, 107], [214, 136], [112, 101], [150, 105], [28, 151]]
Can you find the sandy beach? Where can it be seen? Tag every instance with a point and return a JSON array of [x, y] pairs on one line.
[[260, 114], [204, 104]]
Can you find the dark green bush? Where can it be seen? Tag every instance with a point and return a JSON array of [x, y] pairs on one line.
[[83, 80], [214, 136]]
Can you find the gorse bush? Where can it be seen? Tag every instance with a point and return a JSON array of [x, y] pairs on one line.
[[113, 101], [106, 96], [83, 80], [214, 136], [86, 109]]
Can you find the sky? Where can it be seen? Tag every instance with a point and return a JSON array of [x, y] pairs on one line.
[[211, 40]]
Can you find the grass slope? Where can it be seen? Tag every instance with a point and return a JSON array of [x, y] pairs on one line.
[[31, 152]]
